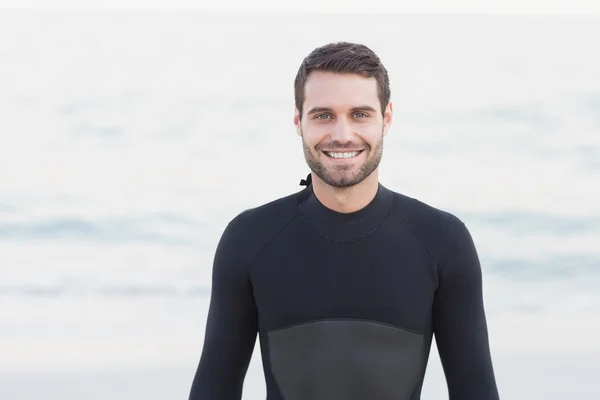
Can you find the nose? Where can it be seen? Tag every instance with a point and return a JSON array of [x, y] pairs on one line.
[[342, 132]]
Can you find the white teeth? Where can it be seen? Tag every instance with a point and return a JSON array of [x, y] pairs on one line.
[[342, 155]]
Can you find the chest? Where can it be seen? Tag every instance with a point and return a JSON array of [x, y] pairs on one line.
[[384, 278]]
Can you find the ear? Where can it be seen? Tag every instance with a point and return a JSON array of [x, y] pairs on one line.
[[387, 118], [297, 121]]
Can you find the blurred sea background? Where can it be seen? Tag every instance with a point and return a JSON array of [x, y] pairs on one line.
[[130, 139]]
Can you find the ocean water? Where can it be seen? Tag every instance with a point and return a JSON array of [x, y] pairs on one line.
[[129, 140]]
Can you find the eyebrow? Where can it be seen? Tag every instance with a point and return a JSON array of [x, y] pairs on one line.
[[315, 110]]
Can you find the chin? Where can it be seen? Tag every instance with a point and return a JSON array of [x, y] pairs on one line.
[[342, 180]]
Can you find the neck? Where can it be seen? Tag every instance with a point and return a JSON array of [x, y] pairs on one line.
[[346, 200]]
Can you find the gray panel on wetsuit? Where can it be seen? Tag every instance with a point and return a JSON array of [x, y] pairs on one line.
[[350, 360]]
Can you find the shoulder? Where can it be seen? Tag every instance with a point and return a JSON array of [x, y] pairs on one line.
[[434, 227], [414, 210], [252, 228], [268, 216]]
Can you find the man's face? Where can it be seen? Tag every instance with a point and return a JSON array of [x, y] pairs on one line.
[[342, 127]]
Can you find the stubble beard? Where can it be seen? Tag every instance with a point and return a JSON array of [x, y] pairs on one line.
[[342, 176]]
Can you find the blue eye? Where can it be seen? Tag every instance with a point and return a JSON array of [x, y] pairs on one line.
[[361, 113], [321, 115]]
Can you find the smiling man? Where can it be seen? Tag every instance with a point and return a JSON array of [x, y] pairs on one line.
[[345, 282]]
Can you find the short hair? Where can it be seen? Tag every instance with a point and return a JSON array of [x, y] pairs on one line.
[[343, 57]]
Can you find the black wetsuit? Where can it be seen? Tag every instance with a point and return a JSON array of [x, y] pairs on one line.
[[345, 305]]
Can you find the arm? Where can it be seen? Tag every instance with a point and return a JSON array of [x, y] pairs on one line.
[[231, 325], [460, 324]]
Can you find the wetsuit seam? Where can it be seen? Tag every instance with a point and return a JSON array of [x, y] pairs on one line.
[[275, 378], [424, 358], [347, 319], [418, 239], [427, 249], [340, 240], [266, 243], [264, 334], [388, 213]]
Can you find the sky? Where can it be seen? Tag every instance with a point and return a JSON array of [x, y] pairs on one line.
[[555, 7]]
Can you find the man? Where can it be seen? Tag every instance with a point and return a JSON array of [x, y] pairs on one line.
[[345, 282]]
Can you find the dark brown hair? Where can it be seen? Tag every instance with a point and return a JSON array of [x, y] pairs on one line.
[[343, 57]]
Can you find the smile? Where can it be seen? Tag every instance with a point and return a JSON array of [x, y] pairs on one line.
[[338, 155]]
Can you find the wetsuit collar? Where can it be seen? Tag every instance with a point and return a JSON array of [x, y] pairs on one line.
[[346, 227]]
